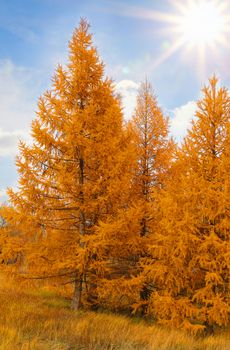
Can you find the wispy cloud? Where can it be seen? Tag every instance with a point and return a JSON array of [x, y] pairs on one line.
[[122, 9], [128, 91], [181, 119], [9, 141], [19, 87], [3, 196], [22, 32]]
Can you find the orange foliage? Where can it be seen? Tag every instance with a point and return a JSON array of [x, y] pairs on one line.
[[128, 234], [114, 208], [190, 253], [68, 178]]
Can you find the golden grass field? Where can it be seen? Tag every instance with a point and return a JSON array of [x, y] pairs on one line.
[[41, 319]]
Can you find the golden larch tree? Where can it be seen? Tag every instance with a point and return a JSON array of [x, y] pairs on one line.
[[190, 269], [72, 175], [129, 233]]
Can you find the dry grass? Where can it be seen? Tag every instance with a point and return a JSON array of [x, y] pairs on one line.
[[42, 320]]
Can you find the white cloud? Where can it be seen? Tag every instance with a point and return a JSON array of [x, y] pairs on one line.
[[18, 91], [128, 91], [181, 119], [9, 141], [19, 88], [3, 196]]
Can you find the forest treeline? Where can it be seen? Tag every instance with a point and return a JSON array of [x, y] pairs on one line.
[[134, 221]]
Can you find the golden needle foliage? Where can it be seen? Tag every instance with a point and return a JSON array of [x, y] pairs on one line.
[[116, 209], [68, 178], [189, 261]]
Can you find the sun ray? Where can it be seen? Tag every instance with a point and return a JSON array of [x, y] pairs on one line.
[[168, 53], [202, 22], [143, 13], [201, 68], [193, 25], [198, 26], [181, 7]]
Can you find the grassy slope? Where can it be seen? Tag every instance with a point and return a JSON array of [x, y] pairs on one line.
[[39, 320]]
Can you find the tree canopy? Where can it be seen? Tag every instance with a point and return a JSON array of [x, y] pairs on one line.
[[134, 221]]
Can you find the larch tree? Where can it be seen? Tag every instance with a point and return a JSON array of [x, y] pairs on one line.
[[72, 176], [191, 249], [130, 232], [154, 150], [154, 156]]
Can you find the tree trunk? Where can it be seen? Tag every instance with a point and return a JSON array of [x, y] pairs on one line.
[[76, 301], [144, 228], [78, 283]]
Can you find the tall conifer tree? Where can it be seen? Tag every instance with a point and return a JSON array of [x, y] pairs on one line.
[[129, 234], [71, 176], [190, 269]]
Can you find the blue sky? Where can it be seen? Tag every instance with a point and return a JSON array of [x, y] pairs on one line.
[[131, 40]]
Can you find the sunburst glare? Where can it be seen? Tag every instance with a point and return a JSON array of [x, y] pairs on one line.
[[202, 22], [197, 25]]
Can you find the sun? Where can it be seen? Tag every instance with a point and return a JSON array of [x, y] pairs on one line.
[[202, 22], [194, 27]]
